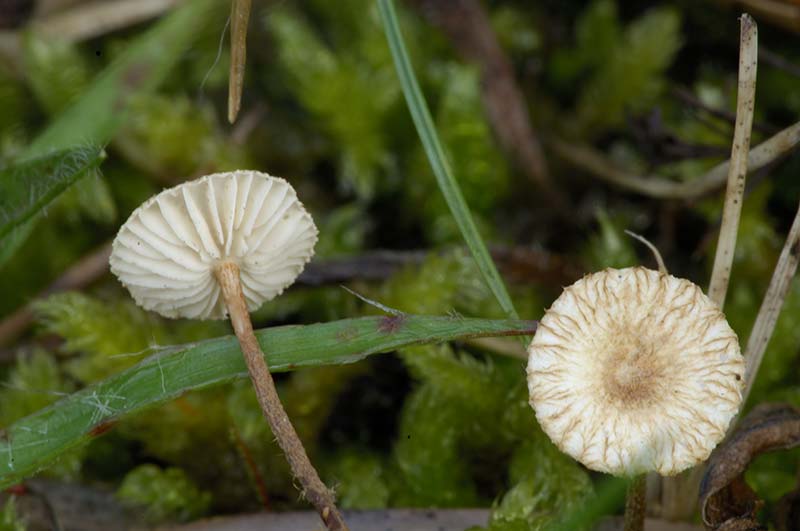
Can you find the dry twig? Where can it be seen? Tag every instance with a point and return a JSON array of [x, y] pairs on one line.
[[771, 305], [240, 15], [595, 162], [680, 493], [737, 172], [80, 275], [467, 25], [518, 264]]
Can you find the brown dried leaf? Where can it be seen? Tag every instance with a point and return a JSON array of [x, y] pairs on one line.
[[727, 502]]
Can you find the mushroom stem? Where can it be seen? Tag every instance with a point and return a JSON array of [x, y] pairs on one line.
[[635, 504], [314, 489]]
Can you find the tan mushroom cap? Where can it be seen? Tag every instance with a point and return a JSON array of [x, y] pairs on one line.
[[633, 370], [167, 251]]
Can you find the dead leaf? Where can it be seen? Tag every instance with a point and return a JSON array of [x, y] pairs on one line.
[[727, 502]]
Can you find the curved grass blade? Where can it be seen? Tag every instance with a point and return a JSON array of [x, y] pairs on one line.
[[27, 187], [438, 160], [35, 441]]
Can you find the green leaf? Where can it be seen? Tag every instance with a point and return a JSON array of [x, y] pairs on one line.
[[438, 160], [27, 187], [37, 440], [103, 106]]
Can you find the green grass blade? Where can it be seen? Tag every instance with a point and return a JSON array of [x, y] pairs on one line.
[[436, 156], [35, 441], [102, 108], [26, 188]]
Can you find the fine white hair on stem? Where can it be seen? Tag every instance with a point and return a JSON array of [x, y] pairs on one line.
[[737, 171], [660, 261], [771, 305]]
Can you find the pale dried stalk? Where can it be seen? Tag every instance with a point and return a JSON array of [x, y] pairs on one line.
[[679, 493], [240, 15], [662, 268], [504, 347], [595, 162], [92, 19], [314, 489], [737, 173], [771, 305]]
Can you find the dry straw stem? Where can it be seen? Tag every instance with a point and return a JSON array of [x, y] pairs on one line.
[[737, 171], [595, 162], [314, 489], [662, 268], [92, 19], [772, 304], [240, 15], [679, 494]]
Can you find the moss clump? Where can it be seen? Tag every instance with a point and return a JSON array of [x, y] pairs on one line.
[[163, 494]]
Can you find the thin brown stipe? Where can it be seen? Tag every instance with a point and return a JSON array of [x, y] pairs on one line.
[[313, 488]]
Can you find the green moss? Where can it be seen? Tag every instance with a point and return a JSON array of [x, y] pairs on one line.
[[342, 231], [164, 494], [110, 335], [546, 486], [34, 382], [476, 161], [9, 519], [623, 68], [57, 71], [431, 471], [609, 246], [173, 137], [349, 86], [358, 477]]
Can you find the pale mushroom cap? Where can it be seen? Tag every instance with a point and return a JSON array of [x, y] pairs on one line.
[[167, 251], [633, 370]]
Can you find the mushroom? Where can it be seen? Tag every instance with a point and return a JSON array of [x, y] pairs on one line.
[[634, 370], [222, 245]]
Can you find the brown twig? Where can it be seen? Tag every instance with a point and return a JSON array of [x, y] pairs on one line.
[[80, 275], [686, 96], [252, 467], [313, 488], [778, 61], [785, 13], [521, 265], [635, 504], [468, 26]]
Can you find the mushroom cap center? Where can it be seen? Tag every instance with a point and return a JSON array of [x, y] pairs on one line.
[[634, 374]]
